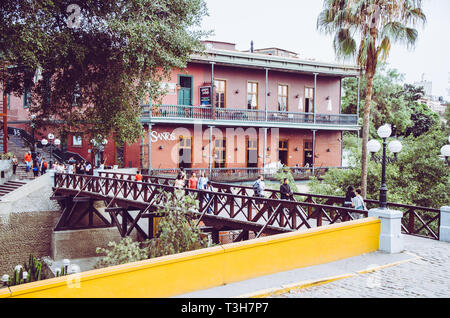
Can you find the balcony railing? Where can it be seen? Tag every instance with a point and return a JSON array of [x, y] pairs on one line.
[[245, 115]]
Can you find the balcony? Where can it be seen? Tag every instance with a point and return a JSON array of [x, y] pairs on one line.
[[246, 117]]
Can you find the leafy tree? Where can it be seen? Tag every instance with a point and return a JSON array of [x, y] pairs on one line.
[[394, 103], [419, 177], [376, 24], [177, 233], [98, 59]]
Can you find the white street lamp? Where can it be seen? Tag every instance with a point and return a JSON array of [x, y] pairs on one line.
[[44, 142], [445, 151], [395, 147], [373, 146], [57, 142], [384, 131], [51, 136]]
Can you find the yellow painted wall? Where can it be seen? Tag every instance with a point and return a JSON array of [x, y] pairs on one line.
[[177, 274]]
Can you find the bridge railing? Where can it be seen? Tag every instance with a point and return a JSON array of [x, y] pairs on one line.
[[225, 202], [417, 220]]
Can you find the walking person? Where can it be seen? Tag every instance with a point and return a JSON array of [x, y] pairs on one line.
[[358, 203], [285, 190], [35, 168], [43, 166], [15, 163], [179, 185], [193, 181], [258, 189], [202, 181], [349, 195], [209, 196], [28, 162], [348, 201]]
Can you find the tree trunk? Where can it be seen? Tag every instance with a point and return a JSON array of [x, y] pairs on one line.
[[365, 135]]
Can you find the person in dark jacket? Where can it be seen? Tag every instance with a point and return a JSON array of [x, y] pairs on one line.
[[348, 203], [285, 190]]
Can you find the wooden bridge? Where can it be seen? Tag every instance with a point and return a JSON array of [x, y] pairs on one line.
[[117, 200]]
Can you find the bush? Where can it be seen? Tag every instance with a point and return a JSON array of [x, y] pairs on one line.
[[177, 233]]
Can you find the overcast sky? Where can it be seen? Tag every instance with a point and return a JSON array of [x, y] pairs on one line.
[[291, 24]]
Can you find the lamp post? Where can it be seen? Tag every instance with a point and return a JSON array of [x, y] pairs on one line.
[[98, 148], [445, 151], [51, 142], [374, 146]]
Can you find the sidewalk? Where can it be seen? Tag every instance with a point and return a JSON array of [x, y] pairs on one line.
[[424, 261]]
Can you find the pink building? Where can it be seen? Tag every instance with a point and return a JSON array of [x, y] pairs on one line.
[[233, 109]]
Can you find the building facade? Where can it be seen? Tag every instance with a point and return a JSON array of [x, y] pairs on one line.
[[233, 109]]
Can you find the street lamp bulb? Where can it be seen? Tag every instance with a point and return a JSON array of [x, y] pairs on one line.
[[44, 142], [384, 131], [395, 146], [445, 151], [50, 136], [373, 146], [5, 278], [57, 142]]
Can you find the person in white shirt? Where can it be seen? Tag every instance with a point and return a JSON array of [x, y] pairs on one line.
[[358, 203]]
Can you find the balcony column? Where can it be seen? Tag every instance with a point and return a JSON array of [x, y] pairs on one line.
[[264, 149], [313, 150], [213, 106], [149, 147], [266, 92], [315, 97], [210, 150]]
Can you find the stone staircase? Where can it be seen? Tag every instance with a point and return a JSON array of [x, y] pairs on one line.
[[9, 187]]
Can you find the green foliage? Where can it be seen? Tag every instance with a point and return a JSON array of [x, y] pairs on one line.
[[122, 252], [418, 178], [177, 233], [33, 269], [116, 58], [393, 103]]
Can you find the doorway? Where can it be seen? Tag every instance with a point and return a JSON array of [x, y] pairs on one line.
[[252, 153], [283, 152], [308, 153], [185, 153]]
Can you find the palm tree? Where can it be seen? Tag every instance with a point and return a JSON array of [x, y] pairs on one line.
[[376, 24]]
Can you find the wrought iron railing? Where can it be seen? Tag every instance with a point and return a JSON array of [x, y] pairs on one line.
[[244, 115], [417, 220]]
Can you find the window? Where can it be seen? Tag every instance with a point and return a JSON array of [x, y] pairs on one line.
[[220, 90], [77, 141], [8, 101], [252, 95], [282, 97], [309, 100], [219, 153]]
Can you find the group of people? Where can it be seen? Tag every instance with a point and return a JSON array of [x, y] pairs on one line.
[[285, 189], [201, 183], [37, 163], [76, 167]]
